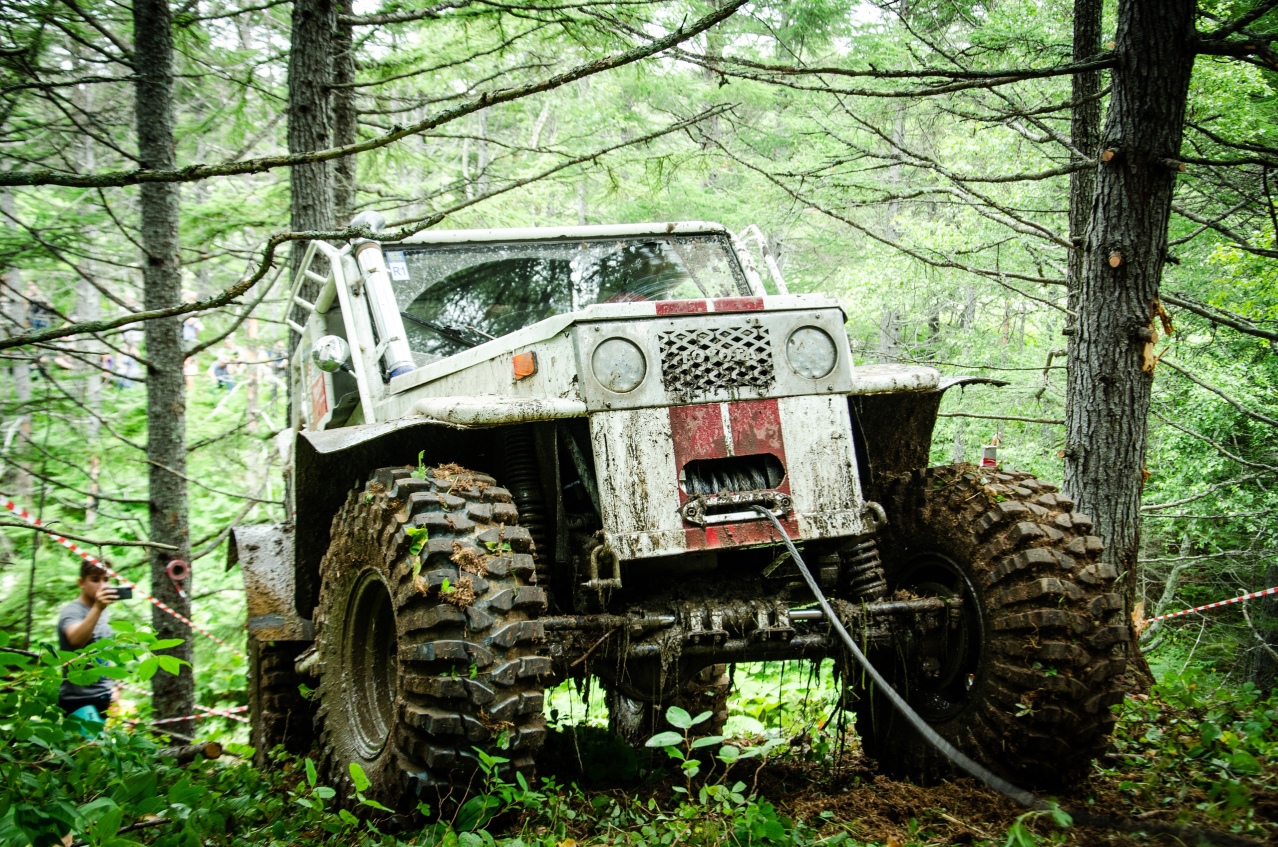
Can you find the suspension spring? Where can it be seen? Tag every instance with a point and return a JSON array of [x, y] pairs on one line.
[[523, 480], [864, 570]]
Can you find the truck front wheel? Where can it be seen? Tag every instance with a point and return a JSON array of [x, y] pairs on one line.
[[1024, 681], [427, 636]]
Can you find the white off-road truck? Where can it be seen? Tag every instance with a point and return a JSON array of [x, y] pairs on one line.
[[527, 455]]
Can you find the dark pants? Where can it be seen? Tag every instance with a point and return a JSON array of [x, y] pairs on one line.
[[70, 704]]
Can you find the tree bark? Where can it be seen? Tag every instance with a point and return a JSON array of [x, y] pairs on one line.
[[1264, 665], [310, 115], [1085, 121], [1110, 369], [174, 695], [345, 118]]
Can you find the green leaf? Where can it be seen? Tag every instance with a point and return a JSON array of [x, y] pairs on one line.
[[701, 718], [171, 664], [311, 775], [148, 667], [359, 777], [707, 741], [476, 812], [665, 739], [324, 792], [678, 717], [729, 753], [1240, 761]]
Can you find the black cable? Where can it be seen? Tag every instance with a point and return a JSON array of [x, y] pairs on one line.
[[975, 769], [993, 780]]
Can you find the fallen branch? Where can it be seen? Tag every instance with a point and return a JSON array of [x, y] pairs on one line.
[[1000, 418]]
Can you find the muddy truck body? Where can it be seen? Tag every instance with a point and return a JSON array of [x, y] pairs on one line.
[[522, 456]]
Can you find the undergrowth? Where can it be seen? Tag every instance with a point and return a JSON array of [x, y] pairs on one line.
[[1190, 752]]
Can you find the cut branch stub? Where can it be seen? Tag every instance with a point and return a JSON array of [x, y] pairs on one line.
[[1115, 259], [1108, 155]]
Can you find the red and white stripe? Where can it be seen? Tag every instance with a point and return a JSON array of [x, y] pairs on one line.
[[230, 712], [1241, 599], [93, 560], [206, 712]]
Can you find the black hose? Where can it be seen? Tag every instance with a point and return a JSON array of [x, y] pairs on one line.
[[975, 769], [993, 780]]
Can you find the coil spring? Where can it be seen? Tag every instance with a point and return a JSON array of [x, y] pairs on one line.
[[524, 483], [863, 570]]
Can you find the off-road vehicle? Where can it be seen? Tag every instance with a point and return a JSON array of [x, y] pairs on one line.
[[522, 456]]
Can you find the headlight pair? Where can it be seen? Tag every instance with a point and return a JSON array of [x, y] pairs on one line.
[[620, 366]]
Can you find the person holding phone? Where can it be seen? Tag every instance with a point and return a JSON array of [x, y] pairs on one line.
[[80, 623]]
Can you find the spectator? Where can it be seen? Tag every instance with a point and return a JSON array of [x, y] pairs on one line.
[[39, 313], [191, 329], [80, 623], [220, 372]]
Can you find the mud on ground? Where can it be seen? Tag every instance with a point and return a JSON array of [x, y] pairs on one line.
[[873, 808]]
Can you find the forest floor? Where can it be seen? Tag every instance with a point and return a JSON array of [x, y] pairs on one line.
[[852, 797], [1192, 754]]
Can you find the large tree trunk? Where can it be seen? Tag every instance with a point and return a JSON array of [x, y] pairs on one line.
[[166, 390], [1264, 665], [310, 115], [345, 118], [1085, 119], [1110, 357]]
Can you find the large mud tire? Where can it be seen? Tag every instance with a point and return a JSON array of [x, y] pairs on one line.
[[707, 691], [1026, 683], [278, 712], [426, 657]]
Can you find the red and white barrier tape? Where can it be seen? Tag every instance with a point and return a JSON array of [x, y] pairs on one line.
[[160, 604], [1241, 599], [229, 712], [206, 712]]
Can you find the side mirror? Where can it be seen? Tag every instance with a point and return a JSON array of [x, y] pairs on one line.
[[330, 353]]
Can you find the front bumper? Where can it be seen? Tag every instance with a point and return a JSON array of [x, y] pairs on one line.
[[641, 457]]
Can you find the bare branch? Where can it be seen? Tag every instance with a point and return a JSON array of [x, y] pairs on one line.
[[1217, 316], [1256, 416], [194, 173], [48, 530]]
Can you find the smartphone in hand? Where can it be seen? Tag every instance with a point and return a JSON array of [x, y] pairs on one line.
[[123, 592]]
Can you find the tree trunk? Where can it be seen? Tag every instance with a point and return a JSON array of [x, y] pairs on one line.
[[310, 116], [1110, 368], [1085, 119], [1264, 665], [166, 389], [345, 118]]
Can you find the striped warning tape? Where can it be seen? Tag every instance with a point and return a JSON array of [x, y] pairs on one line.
[[160, 604], [229, 712], [206, 712], [1241, 599]]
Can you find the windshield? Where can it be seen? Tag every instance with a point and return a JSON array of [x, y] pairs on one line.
[[456, 296]]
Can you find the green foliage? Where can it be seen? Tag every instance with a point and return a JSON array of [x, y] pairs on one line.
[[1193, 743], [57, 774]]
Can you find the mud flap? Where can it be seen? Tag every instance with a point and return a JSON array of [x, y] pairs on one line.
[[893, 429], [264, 553]]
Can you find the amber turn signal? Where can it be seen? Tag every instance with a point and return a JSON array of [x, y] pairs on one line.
[[525, 364]]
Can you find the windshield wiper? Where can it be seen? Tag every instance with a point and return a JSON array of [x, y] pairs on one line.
[[452, 333]]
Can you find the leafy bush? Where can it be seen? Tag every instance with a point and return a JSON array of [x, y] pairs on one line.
[[1193, 744]]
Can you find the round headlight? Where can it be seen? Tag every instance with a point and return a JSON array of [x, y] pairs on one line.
[[619, 365], [811, 352]]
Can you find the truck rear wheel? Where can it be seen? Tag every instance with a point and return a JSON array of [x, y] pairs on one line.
[[1025, 682], [426, 655], [279, 714], [707, 691]]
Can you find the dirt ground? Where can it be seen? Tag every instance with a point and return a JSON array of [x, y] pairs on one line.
[[873, 808]]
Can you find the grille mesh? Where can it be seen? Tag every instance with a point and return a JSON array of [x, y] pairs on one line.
[[706, 360]]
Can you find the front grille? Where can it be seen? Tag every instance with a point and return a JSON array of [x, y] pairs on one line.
[[707, 360]]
